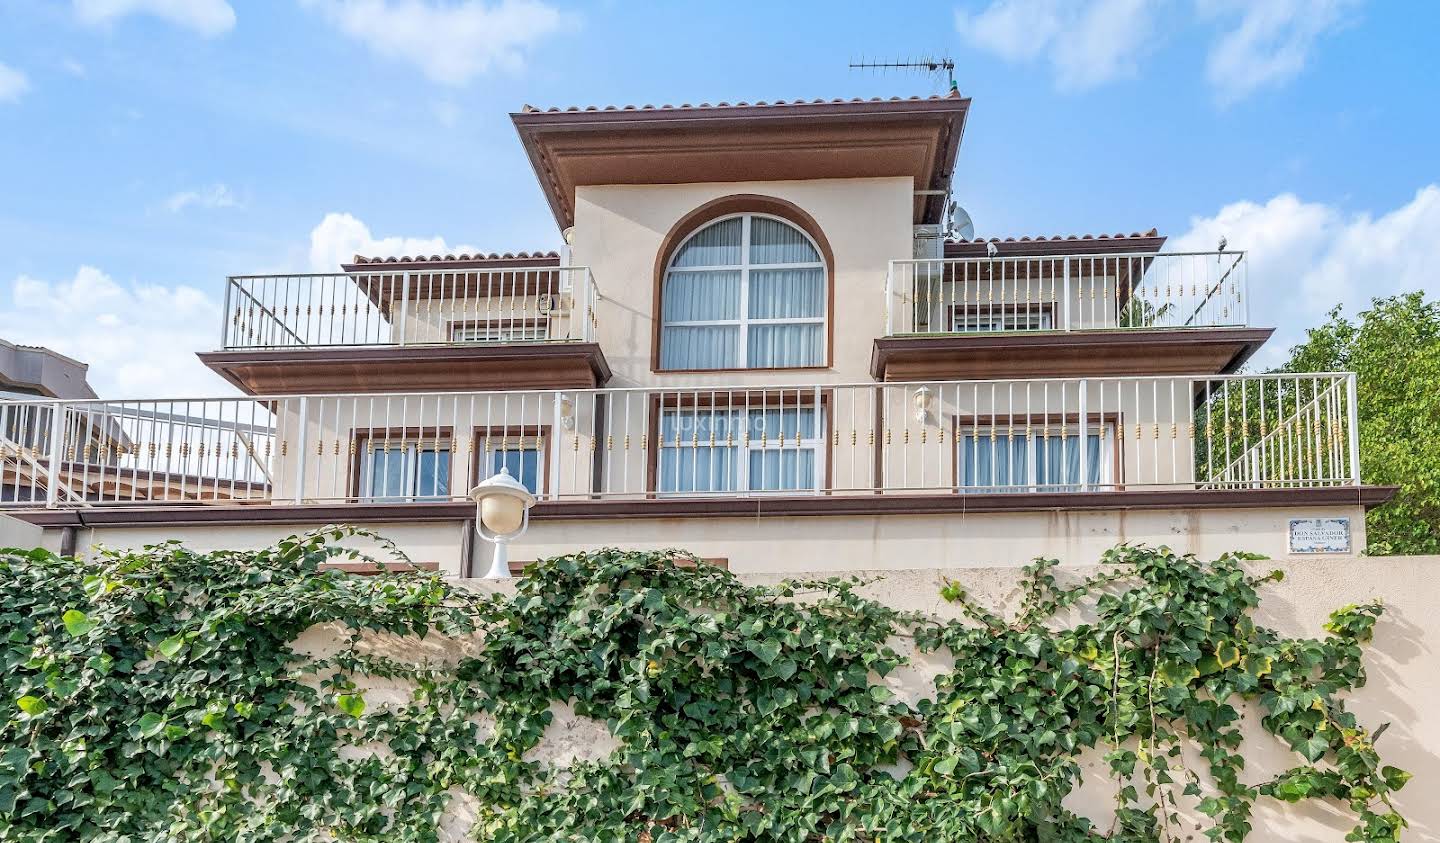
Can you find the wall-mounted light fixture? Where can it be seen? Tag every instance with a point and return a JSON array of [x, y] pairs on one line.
[[922, 398], [502, 512], [567, 411]]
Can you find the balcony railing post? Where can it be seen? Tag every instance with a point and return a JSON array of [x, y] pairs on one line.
[[1065, 291], [587, 298], [1084, 440], [52, 470], [888, 312], [300, 452], [1353, 413], [404, 308], [225, 315]]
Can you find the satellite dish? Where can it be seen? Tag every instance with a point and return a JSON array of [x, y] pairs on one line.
[[961, 226]]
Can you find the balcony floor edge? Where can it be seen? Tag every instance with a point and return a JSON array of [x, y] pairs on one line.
[[790, 506]]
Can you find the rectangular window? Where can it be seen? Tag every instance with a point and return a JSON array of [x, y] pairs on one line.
[[405, 470], [973, 318], [500, 330], [1047, 458], [727, 449], [521, 451]]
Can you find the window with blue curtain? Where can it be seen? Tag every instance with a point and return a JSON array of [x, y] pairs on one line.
[[725, 449], [522, 463], [1043, 461], [744, 292], [407, 471]]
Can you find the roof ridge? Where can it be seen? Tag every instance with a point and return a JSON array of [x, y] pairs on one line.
[[1041, 238], [465, 256], [527, 108]]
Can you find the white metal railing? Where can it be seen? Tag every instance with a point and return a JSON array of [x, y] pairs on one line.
[[1066, 293], [410, 307], [1023, 436]]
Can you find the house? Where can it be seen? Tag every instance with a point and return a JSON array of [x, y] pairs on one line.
[[759, 342]]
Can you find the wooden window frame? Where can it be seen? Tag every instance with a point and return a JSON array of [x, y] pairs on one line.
[[500, 325], [744, 400], [960, 427], [729, 206], [1046, 311], [540, 432], [363, 436]]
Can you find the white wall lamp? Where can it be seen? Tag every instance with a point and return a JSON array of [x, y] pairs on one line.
[[922, 403], [502, 512], [567, 411]]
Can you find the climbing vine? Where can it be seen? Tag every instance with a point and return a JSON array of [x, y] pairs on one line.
[[162, 695]]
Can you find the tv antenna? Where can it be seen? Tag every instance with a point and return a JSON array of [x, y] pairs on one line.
[[936, 66]]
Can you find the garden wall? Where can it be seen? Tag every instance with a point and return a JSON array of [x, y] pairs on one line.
[[1402, 663]]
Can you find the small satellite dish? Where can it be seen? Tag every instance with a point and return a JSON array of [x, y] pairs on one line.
[[960, 226]]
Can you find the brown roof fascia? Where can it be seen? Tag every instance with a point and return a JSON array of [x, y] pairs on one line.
[[791, 506], [1138, 345], [532, 123], [1150, 241]]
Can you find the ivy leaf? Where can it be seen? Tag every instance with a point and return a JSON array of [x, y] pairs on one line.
[[171, 646], [351, 704], [1312, 748], [77, 623], [1395, 778], [766, 651], [33, 706], [946, 765], [150, 724]]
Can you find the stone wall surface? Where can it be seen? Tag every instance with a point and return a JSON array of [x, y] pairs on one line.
[[1403, 687]]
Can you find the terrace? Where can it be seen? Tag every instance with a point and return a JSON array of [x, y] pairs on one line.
[[1001, 443], [1080, 312], [486, 319]]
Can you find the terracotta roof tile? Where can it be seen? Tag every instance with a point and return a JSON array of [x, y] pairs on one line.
[[493, 256], [531, 109], [1134, 235]]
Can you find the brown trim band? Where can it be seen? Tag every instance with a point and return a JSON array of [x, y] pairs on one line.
[[789, 506], [1079, 353]]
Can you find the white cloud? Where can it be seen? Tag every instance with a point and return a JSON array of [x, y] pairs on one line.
[[13, 84], [1307, 257], [340, 237], [213, 196], [73, 67], [207, 17], [1086, 44], [1270, 44], [451, 42], [139, 339]]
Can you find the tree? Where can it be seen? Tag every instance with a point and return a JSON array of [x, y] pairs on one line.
[[1394, 349]]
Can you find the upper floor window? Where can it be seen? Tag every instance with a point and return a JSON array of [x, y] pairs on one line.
[[744, 292]]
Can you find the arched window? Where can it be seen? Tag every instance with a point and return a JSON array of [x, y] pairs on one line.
[[744, 292]]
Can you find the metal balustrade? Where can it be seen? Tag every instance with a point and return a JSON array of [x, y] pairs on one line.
[[1066, 293], [395, 307], [1013, 437]]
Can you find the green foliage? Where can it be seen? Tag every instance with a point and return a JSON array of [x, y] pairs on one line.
[[159, 695], [1395, 352]]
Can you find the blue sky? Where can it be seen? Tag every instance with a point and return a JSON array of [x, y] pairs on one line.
[[150, 147]]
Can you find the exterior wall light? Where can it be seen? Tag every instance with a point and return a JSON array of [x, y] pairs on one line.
[[922, 403], [567, 411], [502, 512]]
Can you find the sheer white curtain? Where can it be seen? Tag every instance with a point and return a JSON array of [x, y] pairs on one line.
[[744, 292]]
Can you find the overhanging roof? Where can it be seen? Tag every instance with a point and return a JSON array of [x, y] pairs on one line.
[[917, 137]]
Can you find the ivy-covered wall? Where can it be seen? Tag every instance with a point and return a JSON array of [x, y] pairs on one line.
[[616, 696]]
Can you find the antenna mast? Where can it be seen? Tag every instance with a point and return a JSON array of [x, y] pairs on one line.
[[924, 65]]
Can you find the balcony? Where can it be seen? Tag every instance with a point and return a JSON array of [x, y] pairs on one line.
[[824, 449], [1081, 314], [411, 326]]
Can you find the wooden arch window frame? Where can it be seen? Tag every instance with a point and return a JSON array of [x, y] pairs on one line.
[[729, 206]]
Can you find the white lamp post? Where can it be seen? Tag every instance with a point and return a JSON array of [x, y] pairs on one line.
[[502, 512]]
